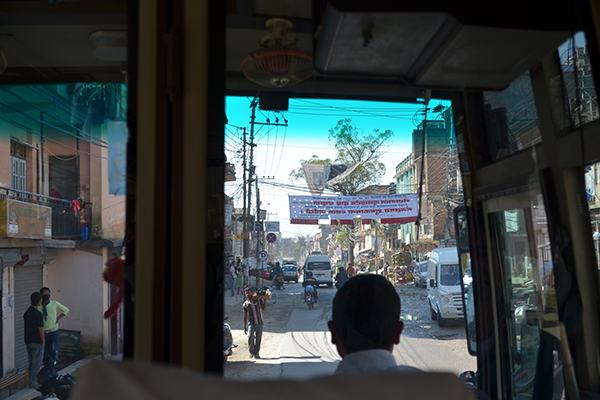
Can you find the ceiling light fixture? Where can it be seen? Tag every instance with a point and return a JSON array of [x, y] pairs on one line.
[[110, 45], [277, 64]]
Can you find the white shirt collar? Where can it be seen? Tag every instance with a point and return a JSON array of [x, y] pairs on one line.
[[367, 361]]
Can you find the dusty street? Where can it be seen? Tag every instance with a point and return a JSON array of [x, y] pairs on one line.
[[297, 345]]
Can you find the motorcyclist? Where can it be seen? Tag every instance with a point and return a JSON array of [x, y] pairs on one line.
[[278, 272], [310, 280]]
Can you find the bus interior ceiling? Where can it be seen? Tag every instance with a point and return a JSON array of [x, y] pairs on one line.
[[369, 50]]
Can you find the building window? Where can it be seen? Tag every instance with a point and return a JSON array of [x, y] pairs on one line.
[[18, 165]]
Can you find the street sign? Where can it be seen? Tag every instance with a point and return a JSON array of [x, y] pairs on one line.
[[262, 256], [271, 226], [258, 226], [271, 237]]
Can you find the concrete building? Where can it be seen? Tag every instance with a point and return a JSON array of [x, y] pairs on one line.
[[441, 186], [59, 143]]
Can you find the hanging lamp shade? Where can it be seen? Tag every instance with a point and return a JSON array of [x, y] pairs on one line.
[[277, 68], [277, 63]]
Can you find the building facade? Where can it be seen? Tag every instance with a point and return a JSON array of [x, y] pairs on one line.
[[62, 207]]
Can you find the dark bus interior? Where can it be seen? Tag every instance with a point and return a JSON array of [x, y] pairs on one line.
[[180, 58]]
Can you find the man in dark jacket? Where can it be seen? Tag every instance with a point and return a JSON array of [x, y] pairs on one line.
[[341, 278], [33, 334]]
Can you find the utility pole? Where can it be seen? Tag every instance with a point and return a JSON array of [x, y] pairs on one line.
[[245, 214], [376, 247], [258, 219], [251, 169]]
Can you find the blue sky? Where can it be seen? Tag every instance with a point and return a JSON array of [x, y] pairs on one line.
[[280, 149]]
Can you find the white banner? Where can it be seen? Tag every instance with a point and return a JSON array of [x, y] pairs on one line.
[[318, 176], [392, 208]]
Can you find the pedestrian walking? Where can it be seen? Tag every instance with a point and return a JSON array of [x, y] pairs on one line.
[[253, 321], [232, 278], [33, 334], [340, 278], [350, 270], [239, 284], [50, 310]]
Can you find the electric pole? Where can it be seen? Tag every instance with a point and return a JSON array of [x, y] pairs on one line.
[[251, 171], [245, 214]]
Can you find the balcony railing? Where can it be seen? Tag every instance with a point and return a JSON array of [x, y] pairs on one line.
[[65, 224]]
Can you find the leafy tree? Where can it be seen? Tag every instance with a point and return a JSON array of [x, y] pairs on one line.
[[346, 236], [353, 146], [300, 248]]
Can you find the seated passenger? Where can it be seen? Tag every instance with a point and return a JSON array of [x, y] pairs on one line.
[[366, 325]]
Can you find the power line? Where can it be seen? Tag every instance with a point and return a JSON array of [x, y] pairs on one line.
[[52, 140]]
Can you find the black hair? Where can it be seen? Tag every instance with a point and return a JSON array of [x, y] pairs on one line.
[[35, 298], [45, 288], [366, 311]]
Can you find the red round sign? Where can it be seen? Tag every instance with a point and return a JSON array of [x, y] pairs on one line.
[[271, 237]]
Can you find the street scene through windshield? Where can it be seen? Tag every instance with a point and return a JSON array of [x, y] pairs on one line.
[[340, 197]]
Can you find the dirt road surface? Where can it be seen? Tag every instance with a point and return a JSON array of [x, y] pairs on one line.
[[297, 345]]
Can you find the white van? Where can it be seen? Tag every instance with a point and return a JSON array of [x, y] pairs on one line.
[[443, 285], [321, 267]]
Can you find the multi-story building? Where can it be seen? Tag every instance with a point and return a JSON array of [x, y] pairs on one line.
[[441, 186], [406, 171], [62, 208]]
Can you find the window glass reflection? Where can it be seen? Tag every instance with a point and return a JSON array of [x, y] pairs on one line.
[[592, 191], [511, 118], [578, 82]]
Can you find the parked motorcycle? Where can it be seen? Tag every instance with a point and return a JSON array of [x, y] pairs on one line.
[[309, 296], [227, 339], [52, 384]]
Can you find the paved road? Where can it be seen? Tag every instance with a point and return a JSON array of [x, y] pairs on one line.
[[297, 344]]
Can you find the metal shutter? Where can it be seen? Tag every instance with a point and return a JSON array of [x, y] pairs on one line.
[[27, 281]]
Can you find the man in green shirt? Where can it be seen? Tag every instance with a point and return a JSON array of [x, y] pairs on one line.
[[50, 310]]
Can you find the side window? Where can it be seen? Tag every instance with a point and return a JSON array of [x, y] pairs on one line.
[[519, 238]]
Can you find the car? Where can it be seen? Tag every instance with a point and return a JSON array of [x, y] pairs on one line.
[[420, 274], [267, 273], [290, 273]]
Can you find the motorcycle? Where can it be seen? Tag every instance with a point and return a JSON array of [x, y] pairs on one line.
[[309, 296], [401, 277], [278, 282], [52, 384], [227, 339]]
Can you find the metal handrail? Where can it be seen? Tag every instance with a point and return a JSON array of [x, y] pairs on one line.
[[65, 224], [48, 198]]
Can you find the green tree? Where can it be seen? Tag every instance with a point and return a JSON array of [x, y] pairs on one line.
[[300, 248], [353, 146]]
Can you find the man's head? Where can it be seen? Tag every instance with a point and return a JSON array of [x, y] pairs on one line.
[[36, 298], [248, 293], [309, 274], [365, 315], [45, 292]]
